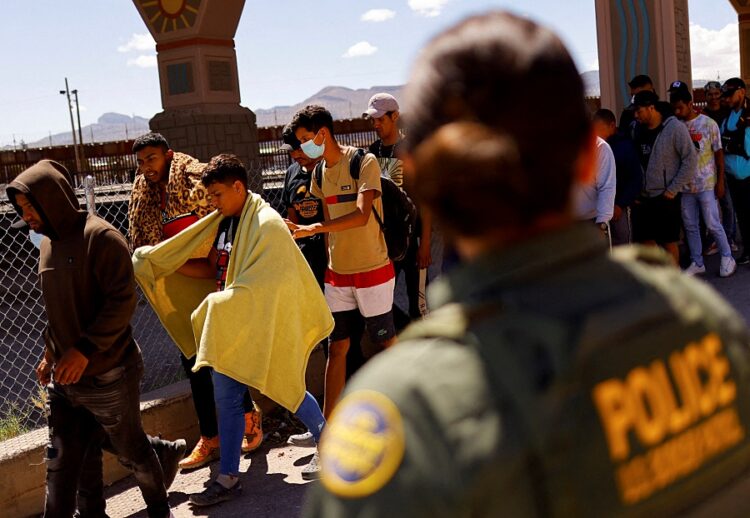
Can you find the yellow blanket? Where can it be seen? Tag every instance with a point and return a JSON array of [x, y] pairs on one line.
[[262, 328]]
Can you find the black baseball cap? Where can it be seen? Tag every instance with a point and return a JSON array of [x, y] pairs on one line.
[[291, 143], [731, 85], [645, 98], [679, 91]]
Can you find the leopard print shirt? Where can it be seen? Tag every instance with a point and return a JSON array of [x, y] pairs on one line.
[[185, 194]]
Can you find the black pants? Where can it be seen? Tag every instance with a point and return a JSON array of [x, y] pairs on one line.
[[411, 278], [202, 387], [81, 418], [740, 190]]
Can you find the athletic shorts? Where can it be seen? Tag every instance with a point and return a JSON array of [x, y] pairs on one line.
[[370, 293], [656, 219]]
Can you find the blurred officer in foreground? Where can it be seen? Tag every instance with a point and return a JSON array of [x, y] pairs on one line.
[[554, 379]]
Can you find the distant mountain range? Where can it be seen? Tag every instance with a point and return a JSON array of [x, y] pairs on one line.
[[109, 127], [344, 103]]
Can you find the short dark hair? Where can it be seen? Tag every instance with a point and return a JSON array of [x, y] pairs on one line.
[[150, 140], [471, 72], [680, 95], [605, 115], [224, 168], [640, 81], [312, 117], [645, 98]]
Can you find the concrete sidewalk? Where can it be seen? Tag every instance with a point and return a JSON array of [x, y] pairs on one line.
[[271, 481]]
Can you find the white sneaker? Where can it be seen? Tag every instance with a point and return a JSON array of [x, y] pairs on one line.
[[694, 269], [301, 439], [728, 266]]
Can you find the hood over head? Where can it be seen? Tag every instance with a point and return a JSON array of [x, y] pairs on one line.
[[47, 185]]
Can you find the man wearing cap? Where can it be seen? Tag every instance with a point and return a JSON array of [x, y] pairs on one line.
[[736, 142], [383, 112], [699, 195], [714, 107], [669, 162], [639, 83]]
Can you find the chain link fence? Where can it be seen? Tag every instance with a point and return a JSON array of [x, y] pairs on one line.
[[22, 316]]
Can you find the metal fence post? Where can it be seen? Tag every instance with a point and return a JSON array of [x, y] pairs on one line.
[[89, 185]]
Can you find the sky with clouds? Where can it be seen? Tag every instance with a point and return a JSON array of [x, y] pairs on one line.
[[286, 51]]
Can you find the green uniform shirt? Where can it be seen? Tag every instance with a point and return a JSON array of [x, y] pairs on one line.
[[553, 380]]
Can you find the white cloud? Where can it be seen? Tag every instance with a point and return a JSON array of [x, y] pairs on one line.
[[143, 61], [138, 42], [363, 48], [378, 15], [427, 8], [715, 52]]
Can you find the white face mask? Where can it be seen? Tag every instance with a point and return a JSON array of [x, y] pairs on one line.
[[35, 238], [313, 150]]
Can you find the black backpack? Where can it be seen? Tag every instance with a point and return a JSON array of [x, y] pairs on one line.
[[399, 212]]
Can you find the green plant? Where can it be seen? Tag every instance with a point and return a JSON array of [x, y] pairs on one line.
[[13, 421]]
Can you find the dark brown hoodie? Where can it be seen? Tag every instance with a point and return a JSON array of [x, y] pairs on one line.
[[85, 272]]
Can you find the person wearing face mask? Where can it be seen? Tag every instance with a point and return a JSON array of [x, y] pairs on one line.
[[528, 390], [91, 367], [360, 276]]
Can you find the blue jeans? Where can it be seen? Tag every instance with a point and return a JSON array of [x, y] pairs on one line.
[[727, 216], [229, 394], [695, 205]]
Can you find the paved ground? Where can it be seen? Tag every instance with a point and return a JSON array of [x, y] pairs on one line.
[[735, 289], [271, 477], [271, 482]]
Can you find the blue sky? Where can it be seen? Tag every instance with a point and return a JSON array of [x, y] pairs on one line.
[[287, 50]]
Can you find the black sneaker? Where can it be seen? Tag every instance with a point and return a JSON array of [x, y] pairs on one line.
[[170, 453], [215, 494], [743, 259], [312, 470]]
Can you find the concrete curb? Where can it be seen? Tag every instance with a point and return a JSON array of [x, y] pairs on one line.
[[168, 411]]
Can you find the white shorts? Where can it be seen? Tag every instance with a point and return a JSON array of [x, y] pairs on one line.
[[371, 302]]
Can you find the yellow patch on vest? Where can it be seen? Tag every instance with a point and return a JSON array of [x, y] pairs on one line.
[[362, 446], [678, 413]]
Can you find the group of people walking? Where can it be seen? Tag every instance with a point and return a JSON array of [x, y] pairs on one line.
[[552, 377]]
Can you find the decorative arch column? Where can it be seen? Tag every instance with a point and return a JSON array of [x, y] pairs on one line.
[[641, 37], [199, 81]]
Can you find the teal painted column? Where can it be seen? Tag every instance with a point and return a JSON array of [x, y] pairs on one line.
[[641, 37]]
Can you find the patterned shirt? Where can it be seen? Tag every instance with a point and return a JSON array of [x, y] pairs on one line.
[[705, 135]]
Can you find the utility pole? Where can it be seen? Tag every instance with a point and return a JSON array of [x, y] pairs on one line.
[[50, 138], [72, 126], [78, 114]]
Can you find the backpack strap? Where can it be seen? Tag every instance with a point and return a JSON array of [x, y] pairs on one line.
[[318, 174], [355, 166]]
